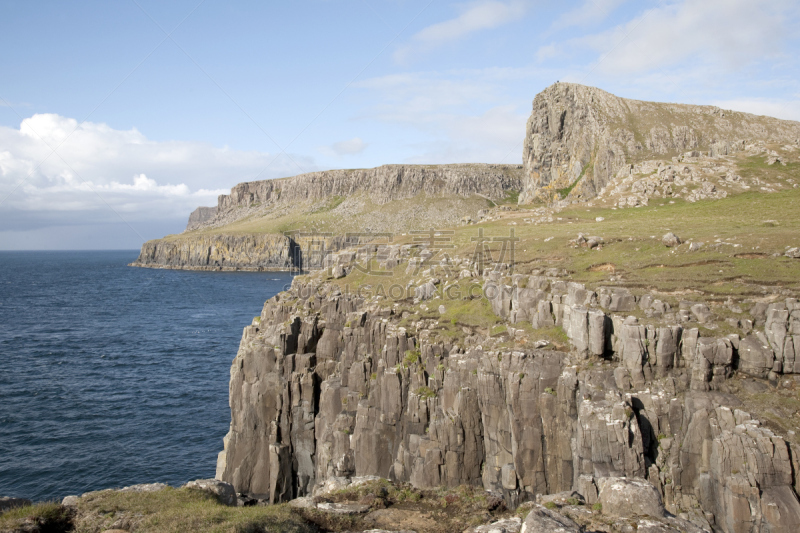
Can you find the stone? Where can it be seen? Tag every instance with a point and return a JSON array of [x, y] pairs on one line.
[[507, 525], [70, 501], [224, 492], [702, 313], [670, 239], [794, 253], [693, 247], [343, 508], [145, 487], [629, 497], [543, 520]]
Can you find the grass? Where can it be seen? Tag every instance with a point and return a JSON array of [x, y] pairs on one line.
[[48, 516], [566, 190], [181, 510], [425, 393]]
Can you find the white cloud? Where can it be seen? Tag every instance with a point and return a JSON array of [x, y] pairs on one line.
[[100, 171], [476, 16], [352, 146], [725, 33]]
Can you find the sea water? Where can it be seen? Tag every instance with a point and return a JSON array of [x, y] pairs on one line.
[[112, 375]]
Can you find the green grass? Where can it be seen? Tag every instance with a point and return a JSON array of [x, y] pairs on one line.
[[566, 190], [181, 510], [425, 393], [49, 516]]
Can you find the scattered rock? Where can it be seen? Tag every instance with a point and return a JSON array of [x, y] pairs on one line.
[[145, 487], [224, 492], [693, 247], [629, 497], [670, 240], [343, 508], [599, 219], [507, 525], [794, 253]]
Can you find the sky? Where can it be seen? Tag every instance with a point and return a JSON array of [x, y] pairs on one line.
[[119, 117]]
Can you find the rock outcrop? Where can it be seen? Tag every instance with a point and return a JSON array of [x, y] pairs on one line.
[[583, 137], [200, 217], [220, 252]]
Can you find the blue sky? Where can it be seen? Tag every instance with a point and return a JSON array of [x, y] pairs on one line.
[[118, 117]]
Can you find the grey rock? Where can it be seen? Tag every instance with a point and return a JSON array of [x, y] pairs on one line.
[[200, 217], [702, 313], [224, 492], [507, 525], [70, 501], [670, 239], [542, 520], [145, 487], [343, 508], [629, 497]]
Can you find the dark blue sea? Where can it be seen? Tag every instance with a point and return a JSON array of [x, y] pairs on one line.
[[112, 375]]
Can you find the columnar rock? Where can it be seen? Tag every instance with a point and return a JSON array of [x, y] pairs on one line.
[[328, 386]]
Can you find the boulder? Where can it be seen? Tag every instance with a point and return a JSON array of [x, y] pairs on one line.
[[507, 525], [670, 239], [629, 497], [223, 491], [145, 487], [543, 520]]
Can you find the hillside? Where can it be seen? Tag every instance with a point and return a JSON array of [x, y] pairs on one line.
[[582, 137]]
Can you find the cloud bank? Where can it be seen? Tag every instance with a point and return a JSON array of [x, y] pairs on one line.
[[99, 173]]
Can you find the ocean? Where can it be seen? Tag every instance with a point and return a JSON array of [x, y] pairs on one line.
[[112, 375]]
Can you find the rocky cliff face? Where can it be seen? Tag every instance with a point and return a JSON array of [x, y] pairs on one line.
[[219, 252], [586, 134], [382, 185], [264, 252], [330, 385], [200, 217]]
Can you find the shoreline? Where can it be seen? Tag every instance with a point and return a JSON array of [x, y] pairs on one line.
[[218, 268]]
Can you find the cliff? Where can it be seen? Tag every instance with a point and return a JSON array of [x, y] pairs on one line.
[[330, 385], [582, 136], [384, 184], [291, 223], [200, 216]]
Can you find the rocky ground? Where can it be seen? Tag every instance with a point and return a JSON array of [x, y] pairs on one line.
[[361, 504]]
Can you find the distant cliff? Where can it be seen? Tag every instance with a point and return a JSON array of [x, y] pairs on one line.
[[381, 185], [586, 135], [412, 197], [200, 217]]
